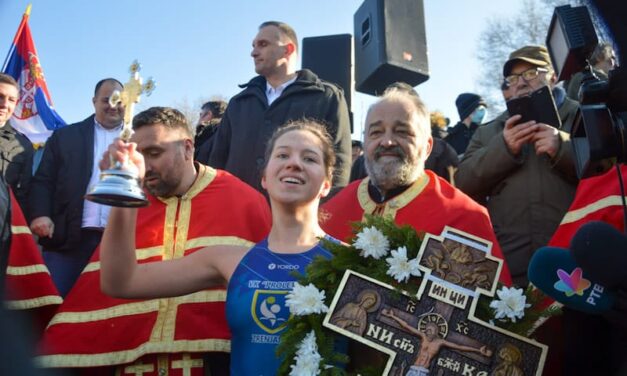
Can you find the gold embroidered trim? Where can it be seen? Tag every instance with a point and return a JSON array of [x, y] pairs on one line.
[[26, 270], [575, 215], [129, 356], [16, 230], [135, 308], [187, 363], [205, 176], [34, 302], [390, 207], [205, 241], [142, 254], [140, 369]]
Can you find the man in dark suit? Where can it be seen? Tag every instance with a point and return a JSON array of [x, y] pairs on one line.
[[68, 226]]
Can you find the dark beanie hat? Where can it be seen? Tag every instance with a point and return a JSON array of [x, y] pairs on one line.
[[466, 103]]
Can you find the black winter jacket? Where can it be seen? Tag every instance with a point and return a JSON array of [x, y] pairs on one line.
[[248, 123], [16, 163]]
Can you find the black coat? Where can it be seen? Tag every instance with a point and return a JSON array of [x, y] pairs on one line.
[[60, 183], [248, 123], [16, 163], [459, 136], [5, 231], [203, 140], [441, 158]]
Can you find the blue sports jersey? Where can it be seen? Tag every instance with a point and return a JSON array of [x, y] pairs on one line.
[[255, 306]]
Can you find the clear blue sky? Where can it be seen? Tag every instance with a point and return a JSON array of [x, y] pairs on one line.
[[199, 48]]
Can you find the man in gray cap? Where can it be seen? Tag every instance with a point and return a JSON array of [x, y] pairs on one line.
[[523, 171], [472, 109]]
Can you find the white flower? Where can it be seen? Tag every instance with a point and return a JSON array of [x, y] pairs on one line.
[[307, 357], [372, 243], [401, 269], [305, 300], [512, 304]]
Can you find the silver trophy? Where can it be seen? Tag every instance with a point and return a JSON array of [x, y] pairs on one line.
[[120, 185]]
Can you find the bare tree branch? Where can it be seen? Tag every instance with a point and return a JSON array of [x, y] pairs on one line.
[[502, 36]]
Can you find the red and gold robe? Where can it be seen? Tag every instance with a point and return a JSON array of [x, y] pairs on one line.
[[597, 199], [28, 282], [428, 205], [160, 336]]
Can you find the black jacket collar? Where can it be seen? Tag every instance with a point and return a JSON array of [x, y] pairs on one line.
[[376, 196]]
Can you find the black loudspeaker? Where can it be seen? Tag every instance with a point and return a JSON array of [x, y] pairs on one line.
[[390, 44], [331, 58]]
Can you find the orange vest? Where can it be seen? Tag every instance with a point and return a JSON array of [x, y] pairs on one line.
[[94, 330]]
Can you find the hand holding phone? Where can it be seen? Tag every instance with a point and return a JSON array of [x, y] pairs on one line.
[[538, 106], [516, 133]]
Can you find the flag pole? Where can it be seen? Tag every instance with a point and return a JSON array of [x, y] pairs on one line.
[[17, 35]]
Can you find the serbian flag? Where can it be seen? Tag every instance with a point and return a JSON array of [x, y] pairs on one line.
[[34, 115]]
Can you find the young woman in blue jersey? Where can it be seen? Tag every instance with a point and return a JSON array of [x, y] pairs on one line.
[[298, 172]]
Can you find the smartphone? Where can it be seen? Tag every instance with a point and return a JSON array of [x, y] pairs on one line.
[[538, 105]]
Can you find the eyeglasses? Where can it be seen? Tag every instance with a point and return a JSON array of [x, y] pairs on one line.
[[527, 75]]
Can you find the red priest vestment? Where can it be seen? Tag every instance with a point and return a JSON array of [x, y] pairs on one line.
[[597, 199], [164, 336], [428, 205], [28, 282]]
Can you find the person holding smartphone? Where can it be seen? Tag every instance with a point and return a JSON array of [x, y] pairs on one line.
[[523, 171]]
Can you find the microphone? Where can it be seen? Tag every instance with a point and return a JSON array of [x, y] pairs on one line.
[[601, 250], [555, 272]]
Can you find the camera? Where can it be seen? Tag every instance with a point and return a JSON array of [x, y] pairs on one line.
[[598, 134]]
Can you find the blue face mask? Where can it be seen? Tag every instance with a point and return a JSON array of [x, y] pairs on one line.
[[478, 115]]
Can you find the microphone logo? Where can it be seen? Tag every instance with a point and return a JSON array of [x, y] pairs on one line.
[[573, 283]]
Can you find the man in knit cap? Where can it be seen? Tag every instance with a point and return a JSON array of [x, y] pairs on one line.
[[472, 109]]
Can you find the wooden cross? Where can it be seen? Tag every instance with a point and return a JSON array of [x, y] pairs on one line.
[[429, 333], [435, 331]]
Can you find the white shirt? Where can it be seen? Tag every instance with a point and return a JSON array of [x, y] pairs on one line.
[[96, 215], [273, 93]]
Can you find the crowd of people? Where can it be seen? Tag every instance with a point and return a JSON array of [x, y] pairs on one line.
[[196, 281]]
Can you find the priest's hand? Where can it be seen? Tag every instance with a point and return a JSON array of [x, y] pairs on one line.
[[126, 155]]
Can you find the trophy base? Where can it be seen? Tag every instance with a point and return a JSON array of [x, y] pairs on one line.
[[118, 188]]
